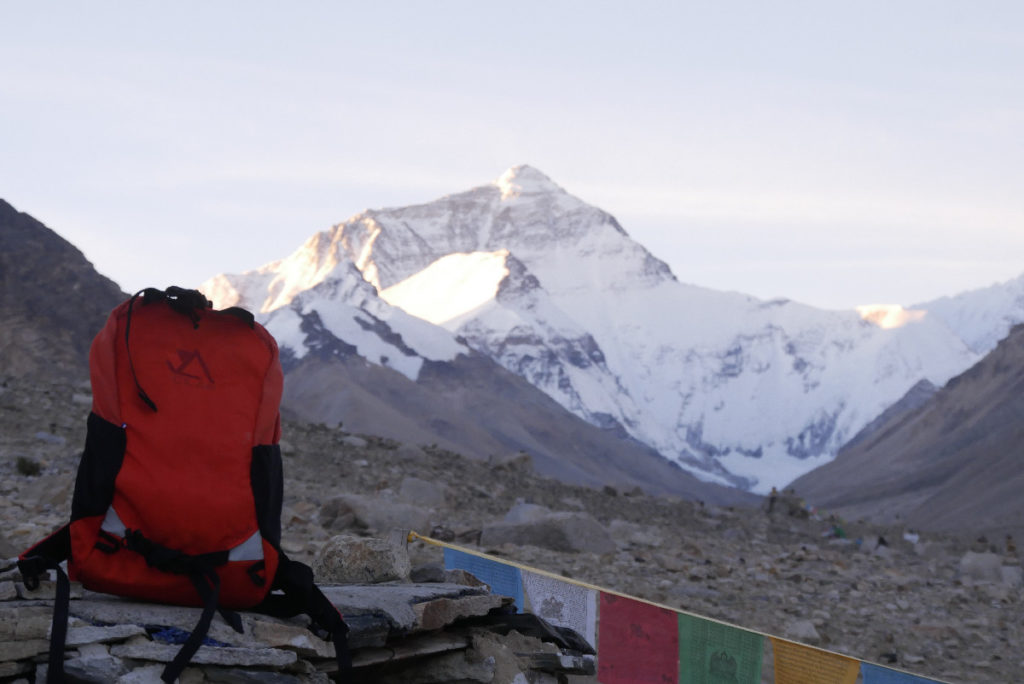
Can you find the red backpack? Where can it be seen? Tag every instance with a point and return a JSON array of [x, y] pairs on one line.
[[179, 490]]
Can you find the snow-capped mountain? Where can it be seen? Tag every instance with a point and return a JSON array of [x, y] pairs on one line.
[[736, 390], [950, 462], [348, 307], [982, 317]]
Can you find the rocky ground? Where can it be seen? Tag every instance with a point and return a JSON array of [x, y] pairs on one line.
[[944, 607]]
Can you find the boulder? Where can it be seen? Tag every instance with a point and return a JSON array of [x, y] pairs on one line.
[[577, 532], [434, 572], [523, 512], [803, 631], [639, 535], [378, 513], [337, 515], [883, 551], [346, 559], [419, 492], [981, 567], [1012, 576]]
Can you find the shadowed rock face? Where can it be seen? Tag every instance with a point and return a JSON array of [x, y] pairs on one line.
[[953, 464], [52, 300]]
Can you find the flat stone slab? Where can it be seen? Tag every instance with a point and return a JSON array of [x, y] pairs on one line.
[[18, 623], [413, 647], [388, 622], [239, 676], [397, 601], [364, 630], [292, 638], [585, 665], [20, 650], [46, 590], [14, 669], [436, 614], [207, 655], [108, 669], [81, 636], [405, 607], [117, 611]]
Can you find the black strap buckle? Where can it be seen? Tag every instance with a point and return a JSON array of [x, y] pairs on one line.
[[254, 570], [33, 568]]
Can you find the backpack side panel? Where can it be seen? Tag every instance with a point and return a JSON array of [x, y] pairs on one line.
[[98, 468], [267, 473], [268, 490], [268, 418], [103, 454]]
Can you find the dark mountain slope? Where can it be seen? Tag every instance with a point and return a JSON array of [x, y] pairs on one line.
[[956, 463], [52, 300], [916, 396], [477, 408]]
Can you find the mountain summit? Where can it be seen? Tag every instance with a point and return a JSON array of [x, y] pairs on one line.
[[736, 390], [525, 180]]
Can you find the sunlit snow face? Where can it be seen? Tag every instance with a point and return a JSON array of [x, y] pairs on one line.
[[450, 287], [887, 316]]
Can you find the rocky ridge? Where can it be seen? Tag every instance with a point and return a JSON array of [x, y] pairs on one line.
[[52, 301], [942, 606]]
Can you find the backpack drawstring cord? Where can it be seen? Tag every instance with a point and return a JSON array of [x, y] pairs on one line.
[[127, 343], [185, 302]]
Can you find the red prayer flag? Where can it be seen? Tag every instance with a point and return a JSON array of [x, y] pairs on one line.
[[637, 643]]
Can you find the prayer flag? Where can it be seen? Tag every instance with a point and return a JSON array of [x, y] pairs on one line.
[[797, 664], [563, 604], [503, 579], [876, 674], [713, 653], [636, 643]]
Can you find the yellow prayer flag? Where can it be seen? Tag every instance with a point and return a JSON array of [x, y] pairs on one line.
[[797, 664]]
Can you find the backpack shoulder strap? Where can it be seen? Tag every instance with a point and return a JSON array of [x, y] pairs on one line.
[[301, 595]]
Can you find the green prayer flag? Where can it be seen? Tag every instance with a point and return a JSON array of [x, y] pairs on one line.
[[713, 653]]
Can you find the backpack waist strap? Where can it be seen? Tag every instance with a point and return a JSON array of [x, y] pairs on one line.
[[171, 560]]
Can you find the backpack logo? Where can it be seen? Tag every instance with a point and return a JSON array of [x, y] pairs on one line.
[[191, 361]]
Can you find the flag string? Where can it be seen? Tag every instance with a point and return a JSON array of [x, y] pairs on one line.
[[415, 536]]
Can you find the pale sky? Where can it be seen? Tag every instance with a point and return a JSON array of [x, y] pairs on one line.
[[835, 153]]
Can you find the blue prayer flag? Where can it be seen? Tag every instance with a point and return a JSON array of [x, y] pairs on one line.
[[503, 579], [876, 674]]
